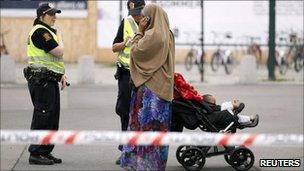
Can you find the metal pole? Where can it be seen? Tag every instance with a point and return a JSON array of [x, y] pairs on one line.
[[201, 67], [271, 41]]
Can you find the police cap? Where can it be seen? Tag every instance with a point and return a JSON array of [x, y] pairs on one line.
[[135, 6], [47, 8]]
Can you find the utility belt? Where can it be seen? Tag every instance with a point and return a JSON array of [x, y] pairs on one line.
[[120, 70], [41, 73]]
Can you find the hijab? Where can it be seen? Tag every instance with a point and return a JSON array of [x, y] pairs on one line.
[[153, 55]]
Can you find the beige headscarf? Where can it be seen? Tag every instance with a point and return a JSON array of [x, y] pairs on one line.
[[152, 56]]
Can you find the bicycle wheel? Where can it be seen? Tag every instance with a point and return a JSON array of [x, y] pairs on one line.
[[189, 61], [299, 62], [283, 66], [229, 65], [200, 63], [215, 61], [256, 51]]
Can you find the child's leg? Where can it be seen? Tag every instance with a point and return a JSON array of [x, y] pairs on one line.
[[244, 119]]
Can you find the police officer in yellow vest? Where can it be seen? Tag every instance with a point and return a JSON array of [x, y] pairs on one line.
[[45, 70], [122, 45]]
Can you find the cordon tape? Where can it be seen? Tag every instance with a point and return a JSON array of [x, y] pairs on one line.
[[149, 138]]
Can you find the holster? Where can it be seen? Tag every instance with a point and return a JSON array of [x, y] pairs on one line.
[[120, 69], [118, 72]]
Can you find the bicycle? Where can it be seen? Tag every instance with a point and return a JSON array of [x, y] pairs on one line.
[[293, 54], [299, 55], [222, 57], [255, 49], [3, 49], [193, 55], [191, 58], [299, 60]]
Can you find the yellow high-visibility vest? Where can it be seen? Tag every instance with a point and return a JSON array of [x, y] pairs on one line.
[[130, 28], [38, 57]]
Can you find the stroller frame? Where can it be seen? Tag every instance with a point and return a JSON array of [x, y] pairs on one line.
[[194, 157]]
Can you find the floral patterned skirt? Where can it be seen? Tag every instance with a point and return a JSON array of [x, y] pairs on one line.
[[147, 113]]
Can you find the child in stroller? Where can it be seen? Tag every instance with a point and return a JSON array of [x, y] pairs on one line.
[[228, 112], [191, 110]]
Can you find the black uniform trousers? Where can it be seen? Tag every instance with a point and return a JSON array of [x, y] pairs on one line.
[[46, 100], [123, 99]]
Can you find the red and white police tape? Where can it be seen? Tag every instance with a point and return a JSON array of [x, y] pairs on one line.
[[149, 138]]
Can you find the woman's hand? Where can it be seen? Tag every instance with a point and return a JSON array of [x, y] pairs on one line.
[[143, 24]]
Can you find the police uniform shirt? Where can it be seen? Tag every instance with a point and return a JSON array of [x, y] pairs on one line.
[[43, 39], [119, 35]]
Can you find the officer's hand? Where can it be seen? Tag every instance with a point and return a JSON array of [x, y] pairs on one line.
[[63, 81], [128, 41]]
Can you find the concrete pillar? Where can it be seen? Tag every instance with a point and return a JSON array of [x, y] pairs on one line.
[[248, 70], [86, 68], [8, 69]]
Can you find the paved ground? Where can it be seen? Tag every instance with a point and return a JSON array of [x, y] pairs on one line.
[[91, 107]]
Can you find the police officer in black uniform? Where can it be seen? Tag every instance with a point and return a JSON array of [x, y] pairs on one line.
[[45, 70], [123, 72]]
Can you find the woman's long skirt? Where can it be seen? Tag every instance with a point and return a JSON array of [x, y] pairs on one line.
[[148, 112]]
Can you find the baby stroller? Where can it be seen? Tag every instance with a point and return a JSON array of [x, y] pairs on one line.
[[190, 112]]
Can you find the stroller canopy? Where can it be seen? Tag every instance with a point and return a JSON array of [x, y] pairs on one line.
[[185, 90]]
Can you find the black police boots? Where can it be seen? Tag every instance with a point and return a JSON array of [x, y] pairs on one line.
[[51, 157], [40, 160], [47, 159]]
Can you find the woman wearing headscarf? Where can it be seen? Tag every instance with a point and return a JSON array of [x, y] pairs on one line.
[[152, 69]]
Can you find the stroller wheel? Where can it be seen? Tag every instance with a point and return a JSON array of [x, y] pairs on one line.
[[193, 158], [227, 158], [241, 158], [227, 155], [179, 151]]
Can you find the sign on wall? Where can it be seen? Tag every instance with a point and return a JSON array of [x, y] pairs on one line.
[[26, 8]]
